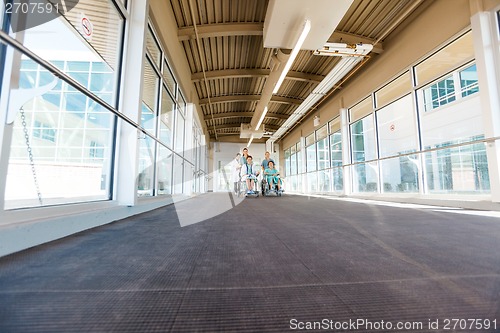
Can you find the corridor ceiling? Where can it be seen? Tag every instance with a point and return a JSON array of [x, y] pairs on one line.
[[223, 41]]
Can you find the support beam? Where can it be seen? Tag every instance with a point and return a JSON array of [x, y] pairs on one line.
[[221, 29], [243, 115], [249, 98], [237, 125], [251, 73]]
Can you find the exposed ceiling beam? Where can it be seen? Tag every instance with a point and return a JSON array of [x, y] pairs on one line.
[[237, 126], [348, 38], [243, 114], [249, 98], [230, 137], [221, 29], [249, 73]]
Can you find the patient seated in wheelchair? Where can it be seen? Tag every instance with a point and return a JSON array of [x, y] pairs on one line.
[[249, 173], [272, 177]]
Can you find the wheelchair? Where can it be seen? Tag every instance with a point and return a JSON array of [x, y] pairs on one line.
[[272, 189], [243, 190]]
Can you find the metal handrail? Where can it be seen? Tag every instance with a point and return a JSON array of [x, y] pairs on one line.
[[456, 145], [9, 41]]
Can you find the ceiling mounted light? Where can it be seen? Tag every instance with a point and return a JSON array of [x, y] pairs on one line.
[[344, 50], [293, 54], [261, 118], [250, 141]]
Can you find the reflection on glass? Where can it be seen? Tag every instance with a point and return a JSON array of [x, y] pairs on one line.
[[323, 154], [397, 131], [400, 174], [312, 182], [153, 48], [365, 177], [469, 81], [311, 158], [363, 140], [179, 133], [336, 149], [338, 179], [166, 118], [77, 54], [164, 171], [55, 137], [458, 170], [145, 177]]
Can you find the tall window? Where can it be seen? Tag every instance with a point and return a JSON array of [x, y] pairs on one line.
[[68, 124]]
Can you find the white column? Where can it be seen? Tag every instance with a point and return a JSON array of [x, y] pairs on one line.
[[189, 149], [486, 47], [346, 150], [302, 167], [130, 104], [8, 110]]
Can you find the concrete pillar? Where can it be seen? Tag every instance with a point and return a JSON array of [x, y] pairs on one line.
[[346, 150], [486, 48], [130, 106]]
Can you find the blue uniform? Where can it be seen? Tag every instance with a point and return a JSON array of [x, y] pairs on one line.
[[272, 176]]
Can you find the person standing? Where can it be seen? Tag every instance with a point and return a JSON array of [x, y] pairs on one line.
[[266, 160], [235, 172]]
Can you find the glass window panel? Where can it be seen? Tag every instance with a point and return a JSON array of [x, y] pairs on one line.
[[310, 139], [79, 66], [338, 179], [451, 56], [334, 125], [153, 48], [178, 178], [293, 149], [323, 154], [321, 133], [467, 123], [27, 79], [101, 82], [179, 134], [396, 128], [365, 177], [168, 78], [361, 109], [336, 149], [439, 93], [165, 162], [73, 53], [311, 158], [300, 164], [323, 181], [150, 86], [461, 170], [148, 119], [74, 102], [312, 182], [145, 178], [63, 143], [293, 164], [395, 89], [469, 81], [181, 102], [363, 140], [166, 118], [400, 174]]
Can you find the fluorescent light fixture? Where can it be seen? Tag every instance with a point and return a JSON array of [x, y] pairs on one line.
[[293, 54], [261, 118], [250, 141]]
